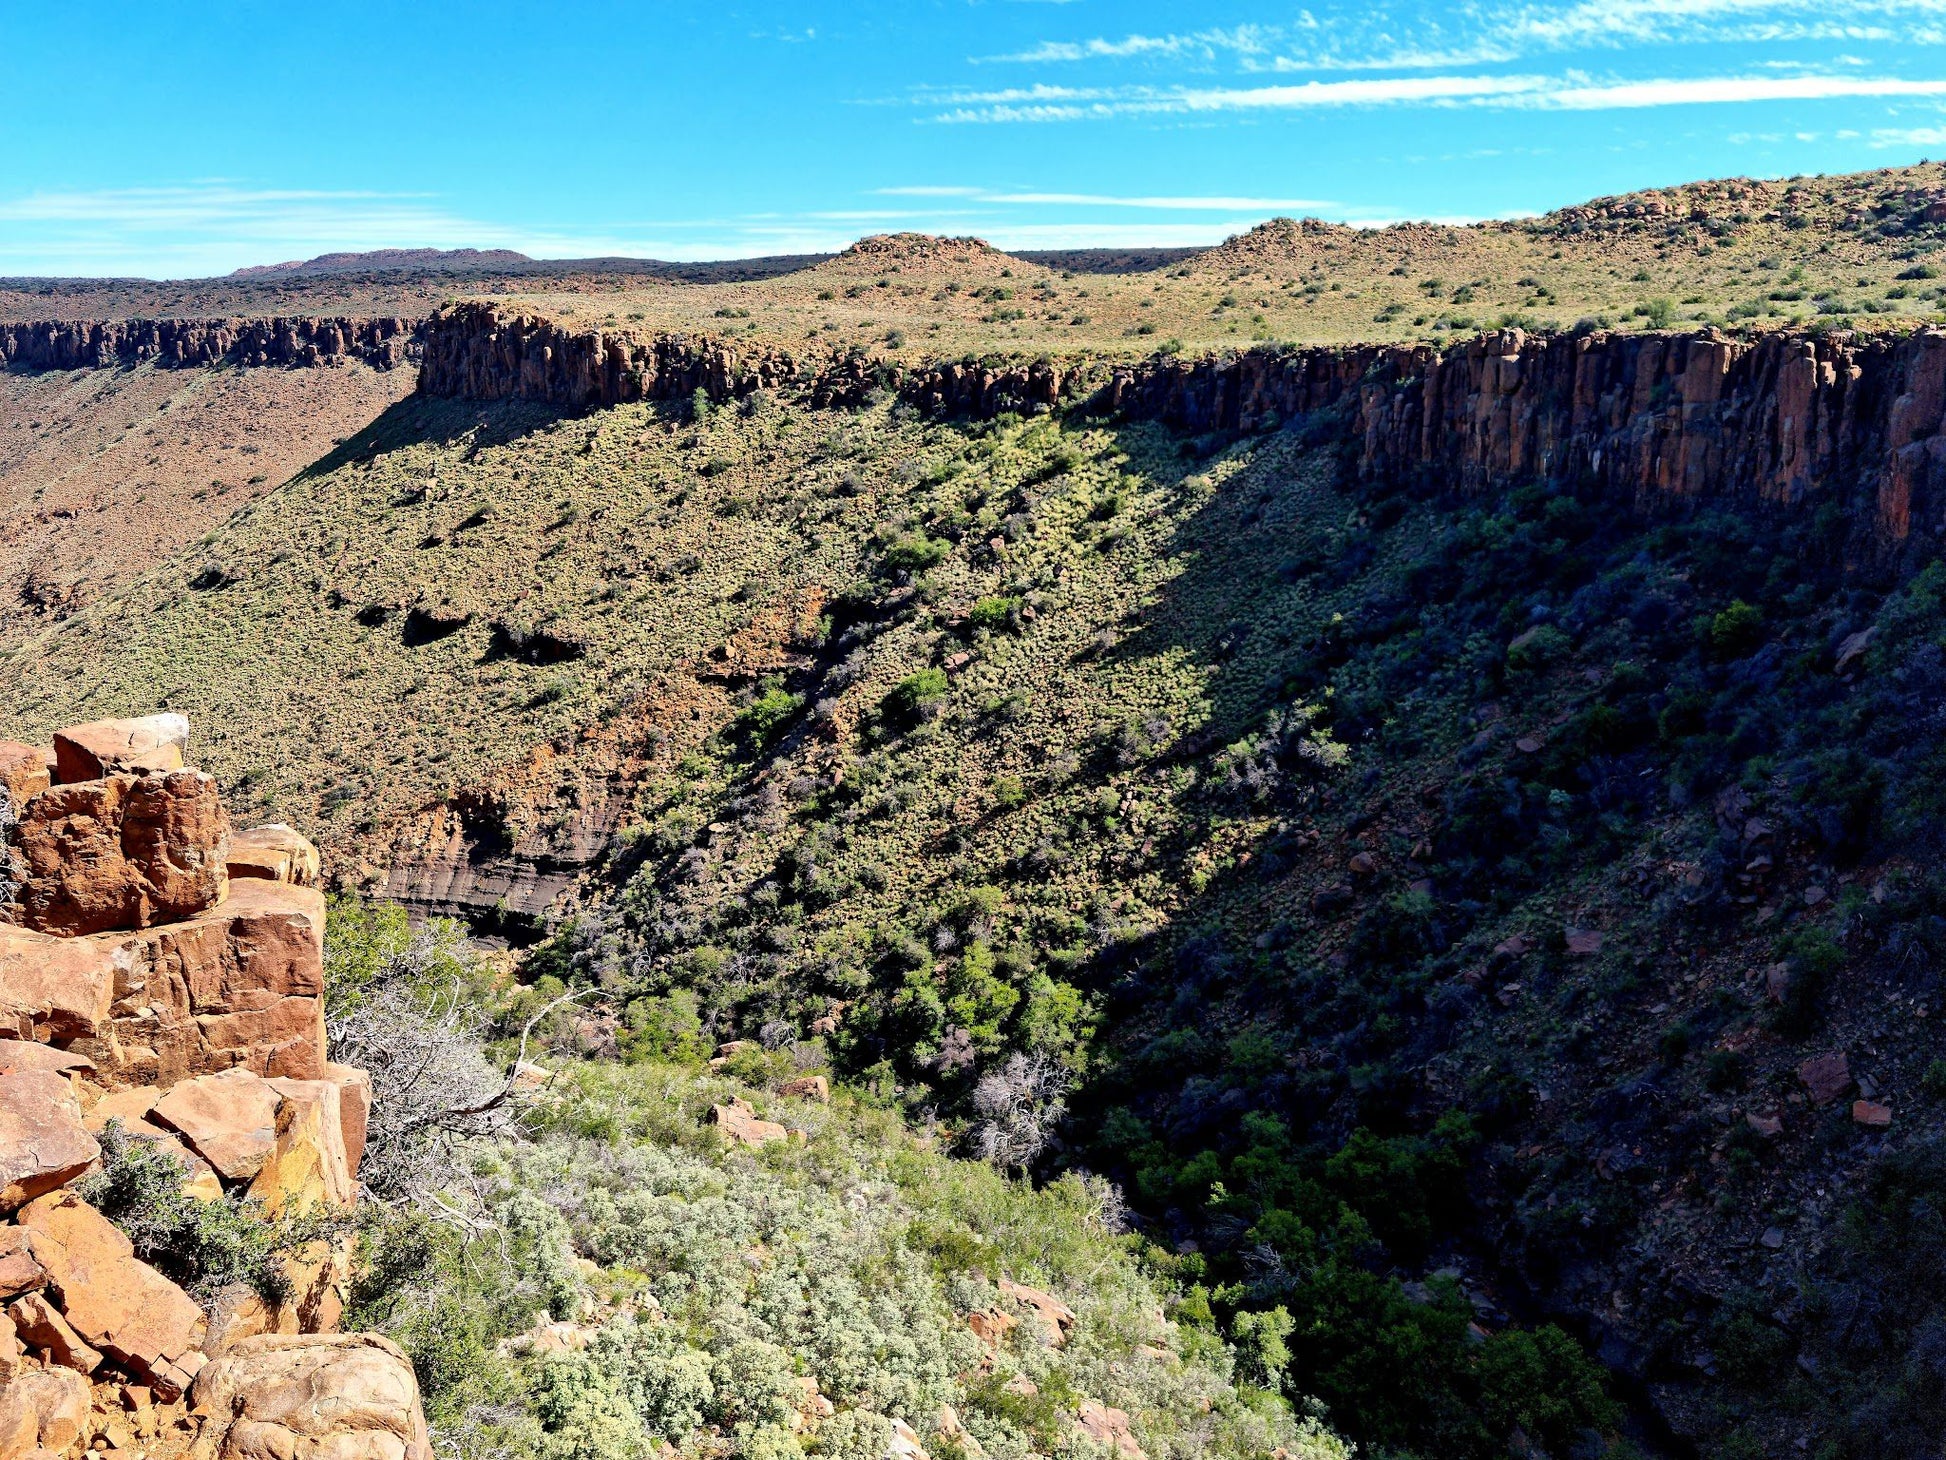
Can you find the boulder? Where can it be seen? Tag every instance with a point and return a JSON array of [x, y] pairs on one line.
[[904, 1444], [39, 1325], [19, 1055], [317, 1277], [121, 853], [810, 1087], [53, 988], [25, 772], [1826, 1077], [107, 747], [1871, 1114], [43, 1410], [991, 1326], [1056, 1315], [230, 1120], [43, 1143], [311, 1397], [239, 985], [955, 1432], [119, 1304], [275, 853], [1106, 1426], [740, 1125], [131, 1107], [306, 1168]]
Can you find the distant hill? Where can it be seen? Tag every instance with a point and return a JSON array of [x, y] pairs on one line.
[[439, 260]]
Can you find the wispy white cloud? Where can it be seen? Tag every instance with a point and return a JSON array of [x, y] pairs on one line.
[[1533, 92], [1376, 37]]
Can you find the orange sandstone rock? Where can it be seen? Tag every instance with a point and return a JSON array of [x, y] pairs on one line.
[[121, 853], [316, 1397], [120, 1305], [43, 1143], [105, 747], [275, 853]]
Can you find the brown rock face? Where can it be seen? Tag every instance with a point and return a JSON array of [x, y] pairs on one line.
[[20, 1271], [43, 1143], [1107, 1426], [355, 1106], [338, 1397], [42, 1411], [240, 985], [53, 988], [18, 1055], [141, 747], [25, 772], [1057, 1316], [120, 1305], [230, 1120], [121, 853], [275, 853]]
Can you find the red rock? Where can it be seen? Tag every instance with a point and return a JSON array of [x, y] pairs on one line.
[[24, 772], [40, 1325], [1768, 1126], [1106, 1426], [20, 1270], [1870, 1113], [809, 1087], [230, 1120], [17, 1055], [43, 1412], [316, 1397], [1826, 1077], [120, 1305], [239, 985], [131, 1107], [121, 853], [276, 853], [739, 1123], [43, 1143], [55, 988], [108, 747], [991, 1326], [1362, 864], [1056, 1315], [355, 1106]]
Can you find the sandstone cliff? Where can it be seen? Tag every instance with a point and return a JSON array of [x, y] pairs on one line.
[[102, 344]]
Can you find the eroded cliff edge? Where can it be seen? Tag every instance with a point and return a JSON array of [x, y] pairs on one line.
[[382, 342], [1793, 418]]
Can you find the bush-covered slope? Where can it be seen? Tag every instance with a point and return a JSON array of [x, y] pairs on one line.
[[602, 1275], [1441, 917]]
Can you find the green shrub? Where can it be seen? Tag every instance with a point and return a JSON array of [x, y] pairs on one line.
[[915, 553], [910, 698]]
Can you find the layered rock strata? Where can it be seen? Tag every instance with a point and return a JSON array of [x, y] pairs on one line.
[[1790, 419], [292, 341], [161, 980]]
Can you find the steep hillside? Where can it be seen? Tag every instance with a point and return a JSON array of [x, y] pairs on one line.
[[105, 472], [1447, 826]]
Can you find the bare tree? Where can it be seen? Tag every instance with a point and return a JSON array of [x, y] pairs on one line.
[[1019, 1104]]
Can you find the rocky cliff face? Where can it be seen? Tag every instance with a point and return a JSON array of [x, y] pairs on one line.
[[161, 983], [101, 344], [1790, 419]]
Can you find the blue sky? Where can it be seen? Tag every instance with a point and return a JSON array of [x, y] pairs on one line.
[[170, 139]]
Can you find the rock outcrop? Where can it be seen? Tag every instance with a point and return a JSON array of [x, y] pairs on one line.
[[162, 982], [382, 342], [1790, 420]]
